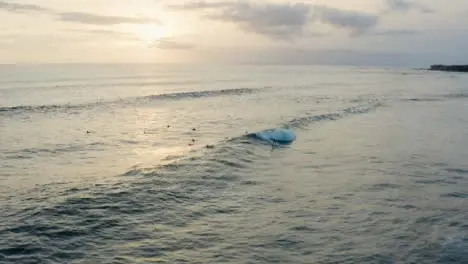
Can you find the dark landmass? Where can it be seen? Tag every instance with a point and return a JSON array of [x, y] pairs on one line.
[[449, 68]]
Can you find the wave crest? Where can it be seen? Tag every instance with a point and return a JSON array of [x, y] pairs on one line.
[[305, 121]]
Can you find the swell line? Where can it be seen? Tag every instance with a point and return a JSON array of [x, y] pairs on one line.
[[167, 96], [438, 98], [115, 84], [305, 121]]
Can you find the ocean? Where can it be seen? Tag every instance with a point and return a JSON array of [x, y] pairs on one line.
[[153, 164]]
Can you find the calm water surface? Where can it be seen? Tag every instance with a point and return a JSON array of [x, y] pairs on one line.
[[109, 164]]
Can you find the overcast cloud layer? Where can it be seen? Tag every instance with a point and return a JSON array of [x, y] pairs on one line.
[[260, 31]]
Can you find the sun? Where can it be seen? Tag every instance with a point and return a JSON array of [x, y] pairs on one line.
[[151, 33]]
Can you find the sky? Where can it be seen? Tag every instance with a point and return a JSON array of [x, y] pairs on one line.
[[355, 32]]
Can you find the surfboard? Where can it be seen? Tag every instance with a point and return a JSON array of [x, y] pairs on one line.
[[276, 135]]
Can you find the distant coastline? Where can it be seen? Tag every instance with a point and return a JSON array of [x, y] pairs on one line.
[[449, 68]]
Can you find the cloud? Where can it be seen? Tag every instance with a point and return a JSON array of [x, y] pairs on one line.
[[164, 43], [405, 6], [17, 7], [273, 20], [356, 22], [287, 55], [40, 39], [170, 44], [76, 17], [196, 5], [402, 32], [281, 20], [105, 33], [93, 19], [100, 32]]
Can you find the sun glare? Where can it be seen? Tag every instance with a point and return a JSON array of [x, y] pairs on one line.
[[151, 33]]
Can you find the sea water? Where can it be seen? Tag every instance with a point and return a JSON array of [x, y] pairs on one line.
[[152, 164]]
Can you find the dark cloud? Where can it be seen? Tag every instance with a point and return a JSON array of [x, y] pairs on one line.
[[356, 22], [277, 21], [170, 44], [406, 5], [17, 7], [93, 19]]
